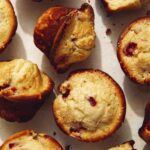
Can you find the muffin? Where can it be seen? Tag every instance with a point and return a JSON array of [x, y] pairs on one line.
[[125, 146], [8, 23], [30, 140], [119, 5], [90, 106], [23, 89], [134, 50], [144, 131], [66, 35]]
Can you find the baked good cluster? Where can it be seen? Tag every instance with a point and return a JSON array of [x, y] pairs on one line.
[[90, 105]]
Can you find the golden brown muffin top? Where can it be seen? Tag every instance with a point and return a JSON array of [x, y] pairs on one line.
[[8, 23], [117, 5], [90, 105], [30, 140], [134, 50], [124, 146], [21, 79]]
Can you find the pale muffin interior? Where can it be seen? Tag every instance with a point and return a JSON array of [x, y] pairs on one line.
[[138, 64], [78, 39], [115, 5], [22, 78], [93, 105], [7, 22], [125, 146], [32, 141]]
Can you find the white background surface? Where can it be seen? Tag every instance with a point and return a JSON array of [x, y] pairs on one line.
[[103, 57]]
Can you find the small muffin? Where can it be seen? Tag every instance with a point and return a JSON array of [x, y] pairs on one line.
[[8, 23], [119, 5], [134, 50], [30, 140], [144, 131], [23, 89], [66, 35], [125, 146], [90, 106]]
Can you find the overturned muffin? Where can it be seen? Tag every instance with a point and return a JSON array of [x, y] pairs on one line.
[[90, 106], [144, 131], [125, 146], [23, 89], [134, 50], [119, 5], [30, 140], [66, 35], [8, 23]]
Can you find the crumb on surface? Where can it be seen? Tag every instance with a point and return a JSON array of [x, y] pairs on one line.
[[54, 133], [108, 31]]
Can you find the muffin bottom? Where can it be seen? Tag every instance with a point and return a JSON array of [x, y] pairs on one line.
[[18, 111]]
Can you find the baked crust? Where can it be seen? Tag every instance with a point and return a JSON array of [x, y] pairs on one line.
[[39, 141], [23, 89], [120, 5], [135, 64], [59, 34], [124, 146], [47, 27], [144, 131], [66, 103], [8, 24]]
